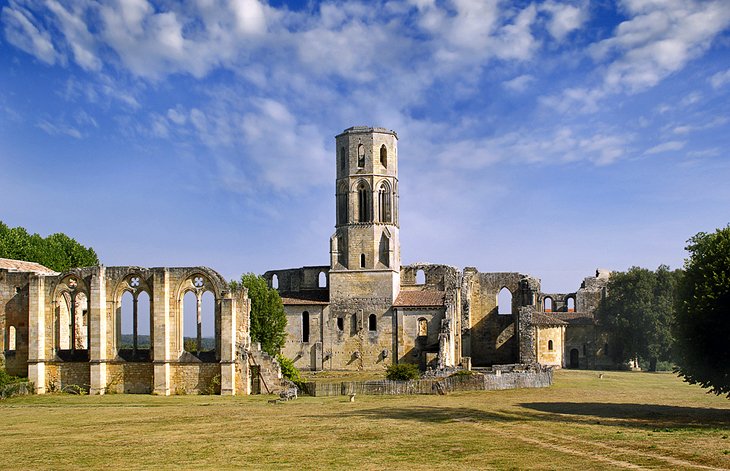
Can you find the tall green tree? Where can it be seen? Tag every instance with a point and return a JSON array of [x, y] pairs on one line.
[[268, 320], [58, 251], [702, 326], [638, 313]]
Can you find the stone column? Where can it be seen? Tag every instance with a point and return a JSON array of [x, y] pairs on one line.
[[162, 334], [228, 346], [98, 328], [37, 332]]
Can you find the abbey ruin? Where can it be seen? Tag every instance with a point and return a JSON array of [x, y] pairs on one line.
[[362, 311]]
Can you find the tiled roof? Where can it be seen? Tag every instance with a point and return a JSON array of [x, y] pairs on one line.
[[575, 318], [305, 298], [23, 266], [539, 318], [420, 299]]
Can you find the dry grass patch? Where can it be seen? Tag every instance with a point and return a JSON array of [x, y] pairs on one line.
[[624, 421]]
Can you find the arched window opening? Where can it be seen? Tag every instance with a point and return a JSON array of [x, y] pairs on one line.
[[340, 324], [144, 321], [571, 304], [305, 327], [360, 155], [343, 157], [275, 282], [12, 338], [362, 260], [64, 321], [80, 322], [190, 323], [504, 301], [384, 250], [322, 280], [127, 340], [363, 203], [384, 156], [207, 322], [422, 327], [550, 345], [420, 277], [384, 212], [342, 205], [372, 323], [547, 305]]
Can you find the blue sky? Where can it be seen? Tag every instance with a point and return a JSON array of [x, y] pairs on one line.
[[549, 138]]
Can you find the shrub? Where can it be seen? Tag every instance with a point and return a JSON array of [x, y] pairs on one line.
[[402, 372], [289, 371], [461, 373]]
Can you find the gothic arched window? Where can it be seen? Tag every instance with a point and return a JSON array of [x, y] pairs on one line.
[[360, 155], [384, 212], [384, 156], [363, 203]]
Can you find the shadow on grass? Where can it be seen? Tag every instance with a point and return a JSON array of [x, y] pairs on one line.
[[432, 414], [641, 415]]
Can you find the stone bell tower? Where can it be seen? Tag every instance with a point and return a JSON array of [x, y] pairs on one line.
[[364, 277], [366, 237]]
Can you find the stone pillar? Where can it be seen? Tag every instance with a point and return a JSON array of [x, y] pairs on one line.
[[97, 342], [37, 332], [527, 345], [228, 346], [162, 334]]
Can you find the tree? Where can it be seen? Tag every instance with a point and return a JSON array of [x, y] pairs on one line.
[[637, 314], [268, 320], [58, 252], [702, 326]]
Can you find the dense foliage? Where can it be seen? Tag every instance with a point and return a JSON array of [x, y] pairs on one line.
[[58, 252], [638, 313], [289, 371], [268, 320], [402, 372], [703, 313]]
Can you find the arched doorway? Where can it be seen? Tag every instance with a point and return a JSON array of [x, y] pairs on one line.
[[574, 363]]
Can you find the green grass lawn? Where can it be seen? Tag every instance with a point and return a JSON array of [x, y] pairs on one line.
[[623, 421]]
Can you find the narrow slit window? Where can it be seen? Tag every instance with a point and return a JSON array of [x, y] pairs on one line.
[[372, 323], [305, 326]]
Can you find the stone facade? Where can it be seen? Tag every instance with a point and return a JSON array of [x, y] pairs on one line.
[[64, 330], [366, 311]]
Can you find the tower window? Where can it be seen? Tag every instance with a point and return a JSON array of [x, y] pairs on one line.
[[372, 323], [305, 327], [384, 203], [360, 155], [384, 156], [363, 206], [343, 157], [362, 260]]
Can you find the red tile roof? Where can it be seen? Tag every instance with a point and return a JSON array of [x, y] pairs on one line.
[[575, 318], [539, 318], [23, 266], [420, 299], [305, 298]]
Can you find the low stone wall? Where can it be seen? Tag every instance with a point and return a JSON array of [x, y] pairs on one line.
[[498, 379], [194, 378], [130, 378], [60, 375]]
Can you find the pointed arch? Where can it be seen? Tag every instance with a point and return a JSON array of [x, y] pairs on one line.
[[385, 213], [504, 301], [384, 249], [342, 206], [384, 156], [364, 203], [360, 155]]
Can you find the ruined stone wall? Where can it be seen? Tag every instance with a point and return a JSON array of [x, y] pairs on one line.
[[193, 378], [14, 305], [297, 279], [489, 337], [412, 346], [306, 355], [62, 375], [130, 377], [550, 356]]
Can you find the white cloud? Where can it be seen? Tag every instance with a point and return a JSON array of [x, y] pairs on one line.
[[59, 129], [77, 35], [519, 83], [720, 79], [24, 32], [666, 147], [660, 38], [564, 18]]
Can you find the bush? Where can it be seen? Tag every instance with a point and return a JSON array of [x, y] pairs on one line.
[[289, 371], [461, 373], [6, 379], [402, 372]]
